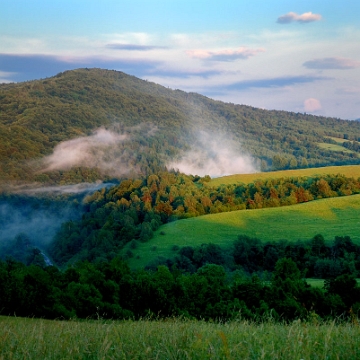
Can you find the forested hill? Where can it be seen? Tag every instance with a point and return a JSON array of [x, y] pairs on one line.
[[159, 124]]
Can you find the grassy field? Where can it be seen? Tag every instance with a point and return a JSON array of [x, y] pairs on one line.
[[338, 140], [176, 339], [319, 283], [348, 171], [334, 147], [329, 217]]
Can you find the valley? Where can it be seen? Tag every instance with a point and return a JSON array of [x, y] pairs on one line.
[[143, 199]]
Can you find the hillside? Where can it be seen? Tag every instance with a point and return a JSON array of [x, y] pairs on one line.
[[348, 171], [328, 217], [146, 127]]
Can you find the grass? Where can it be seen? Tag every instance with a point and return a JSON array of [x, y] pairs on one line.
[[330, 217], [319, 283], [176, 339], [338, 140], [334, 147], [348, 171]]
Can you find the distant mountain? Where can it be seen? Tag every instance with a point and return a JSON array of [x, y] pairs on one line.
[[145, 127]]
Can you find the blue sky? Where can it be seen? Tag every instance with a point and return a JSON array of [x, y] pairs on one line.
[[301, 56]]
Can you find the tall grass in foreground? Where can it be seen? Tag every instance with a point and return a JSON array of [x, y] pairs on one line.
[[176, 339]]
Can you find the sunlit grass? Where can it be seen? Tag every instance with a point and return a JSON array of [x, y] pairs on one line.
[[176, 339], [338, 140], [331, 217], [348, 171], [334, 147]]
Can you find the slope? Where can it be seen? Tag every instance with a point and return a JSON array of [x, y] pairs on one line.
[[348, 171], [164, 124], [329, 217]]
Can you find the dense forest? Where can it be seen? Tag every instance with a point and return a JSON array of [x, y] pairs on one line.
[[160, 125], [110, 290]]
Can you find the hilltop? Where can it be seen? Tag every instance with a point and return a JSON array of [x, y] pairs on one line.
[[147, 128]]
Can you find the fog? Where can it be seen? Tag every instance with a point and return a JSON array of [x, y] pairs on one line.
[[81, 188], [109, 151], [39, 224], [32, 211], [215, 155]]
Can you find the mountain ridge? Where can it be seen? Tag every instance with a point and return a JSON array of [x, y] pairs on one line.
[[162, 124]]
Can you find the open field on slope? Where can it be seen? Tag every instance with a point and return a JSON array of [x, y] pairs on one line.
[[335, 147], [338, 140], [348, 171], [176, 339], [330, 217]]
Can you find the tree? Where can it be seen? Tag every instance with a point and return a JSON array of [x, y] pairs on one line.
[[346, 287]]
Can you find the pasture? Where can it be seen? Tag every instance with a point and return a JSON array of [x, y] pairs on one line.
[[335, 147], [177, 339], [348, 171], [330, 217], [338, 140]]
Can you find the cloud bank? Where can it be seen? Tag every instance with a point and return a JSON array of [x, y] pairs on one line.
[[278, 82], [24, 67], [332, 63], [216, 156], [303, 18], [134, 47], [224, 55]]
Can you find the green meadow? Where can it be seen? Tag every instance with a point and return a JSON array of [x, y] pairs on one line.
[[330, 217], [319, 283], [334, 147], [348, 171], [338, 140], [177, 339]]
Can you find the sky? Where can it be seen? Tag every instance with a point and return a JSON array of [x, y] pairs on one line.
[[298, 55]]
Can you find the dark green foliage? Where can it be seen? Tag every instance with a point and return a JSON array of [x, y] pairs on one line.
[[252, 255], [111, 290]]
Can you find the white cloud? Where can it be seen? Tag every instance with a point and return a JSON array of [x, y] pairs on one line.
[[224, 55], [303, 18], [312, 105], [332, 63]]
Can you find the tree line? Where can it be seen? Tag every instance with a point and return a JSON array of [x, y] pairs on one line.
[[111, 290], [314, 258]]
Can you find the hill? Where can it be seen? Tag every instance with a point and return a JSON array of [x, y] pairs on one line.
[[145, 128], [348, 171], [329, 217]]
